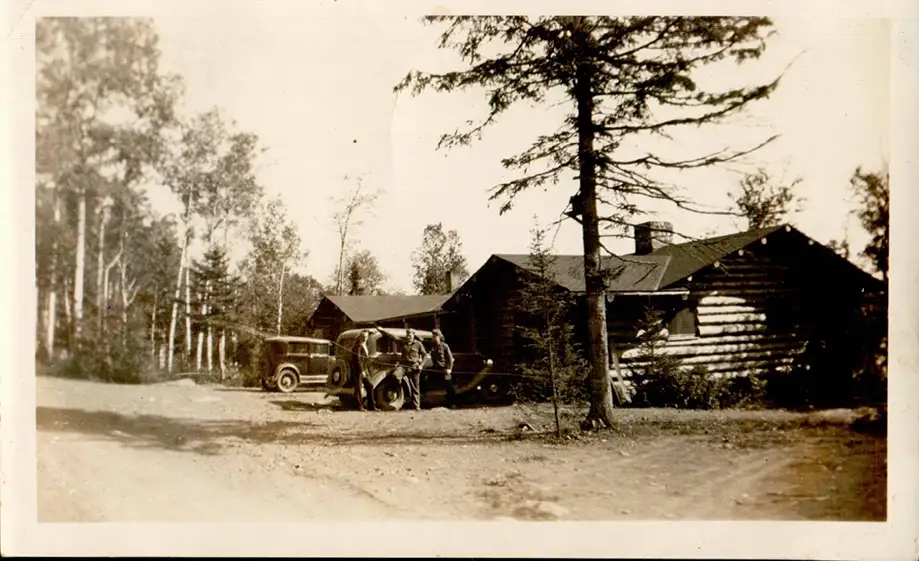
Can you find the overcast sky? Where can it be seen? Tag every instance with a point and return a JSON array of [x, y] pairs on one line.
[[318, 93]]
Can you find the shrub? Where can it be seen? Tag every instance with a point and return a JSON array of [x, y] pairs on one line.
[[696, 388], [123, 359]]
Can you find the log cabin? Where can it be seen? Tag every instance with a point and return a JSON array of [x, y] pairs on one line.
[[336, 314], [750, 302]]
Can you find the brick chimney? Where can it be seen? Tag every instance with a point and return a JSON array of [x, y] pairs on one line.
[[451, 281], [652, 235]]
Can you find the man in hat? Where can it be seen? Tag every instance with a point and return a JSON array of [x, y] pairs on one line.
[[360, 359], [442, 358], [413, 357]]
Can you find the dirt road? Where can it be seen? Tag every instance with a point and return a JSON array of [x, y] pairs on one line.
[[181, 452]]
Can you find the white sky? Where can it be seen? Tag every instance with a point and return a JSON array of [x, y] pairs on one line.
[[318, 92]]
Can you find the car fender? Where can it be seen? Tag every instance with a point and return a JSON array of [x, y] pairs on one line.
[[476, 379], [378, 376]]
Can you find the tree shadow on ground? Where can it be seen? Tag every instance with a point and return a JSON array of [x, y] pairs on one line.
[[213, 437], [258, 390], [297, 405]]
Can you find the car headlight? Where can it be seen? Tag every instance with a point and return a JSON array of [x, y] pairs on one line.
[[488, 362]]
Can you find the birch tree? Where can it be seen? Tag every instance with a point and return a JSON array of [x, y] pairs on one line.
[[101, 103], [626, 81], [347, 217]]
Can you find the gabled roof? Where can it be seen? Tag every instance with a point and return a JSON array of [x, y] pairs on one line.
[[687, 258], [635, 273], [363, 309], [660, 269]]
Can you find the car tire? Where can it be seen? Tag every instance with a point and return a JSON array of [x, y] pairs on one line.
[[493, 390], [389, 394], [338, 377], [287, 381]]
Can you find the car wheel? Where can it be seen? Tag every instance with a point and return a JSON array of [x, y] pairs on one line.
[[493, 390], [287, 381], [389, 395], [338, 377]]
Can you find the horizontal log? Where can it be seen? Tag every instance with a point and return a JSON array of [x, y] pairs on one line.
[[715, 352], [750, 291], [731, 318], [719, 339], [717, 300], [726, 309]]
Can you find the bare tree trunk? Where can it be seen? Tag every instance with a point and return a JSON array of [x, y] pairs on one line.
[[553, 379], [68, 310], [210, 348], [341, 262], [100, 273], [128, 289], [175, 309], [200, 349], [601, 398], [223, 353], [153, 327], [187, 310], [280, 300], [80, 268], [51, 320]]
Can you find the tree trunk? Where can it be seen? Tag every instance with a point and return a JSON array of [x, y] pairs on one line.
[[100, 273], [153, 326], [200, 349], [554, 381], [210, 348], [68, 311], [175, 309], [280, 300], [341, 263], [79, 269], [601, 397], [51, 320], [223, 353], [188, 311]]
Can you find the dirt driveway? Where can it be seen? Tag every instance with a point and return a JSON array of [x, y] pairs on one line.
[[181, 452]]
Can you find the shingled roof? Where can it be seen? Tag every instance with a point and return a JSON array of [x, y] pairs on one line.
[[365, 309], [654, 271], [687, 258], [636, 273]]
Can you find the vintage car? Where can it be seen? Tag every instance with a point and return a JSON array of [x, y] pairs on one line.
[[289, 362], [471, 371]]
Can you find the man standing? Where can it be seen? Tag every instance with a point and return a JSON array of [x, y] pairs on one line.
[[360, 357], [442, 358], [413, 357]]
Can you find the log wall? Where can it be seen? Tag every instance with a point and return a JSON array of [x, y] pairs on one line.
[[752, 316]]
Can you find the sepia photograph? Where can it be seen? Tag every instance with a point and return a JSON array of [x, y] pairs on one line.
[[343, 264]]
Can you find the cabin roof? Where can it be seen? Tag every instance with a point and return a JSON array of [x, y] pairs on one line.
[[659, 270], [625, 274], [689, 257], [365, 309]]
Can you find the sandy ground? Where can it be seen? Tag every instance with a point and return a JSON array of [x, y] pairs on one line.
[[181, 452]]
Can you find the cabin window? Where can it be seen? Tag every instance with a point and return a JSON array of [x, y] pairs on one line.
[[683, 323], [299, 348]]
